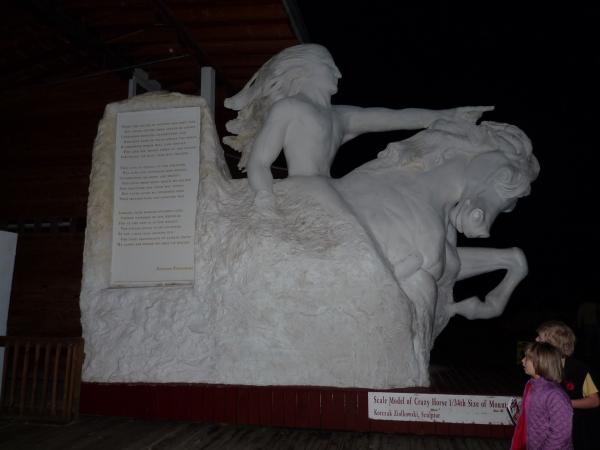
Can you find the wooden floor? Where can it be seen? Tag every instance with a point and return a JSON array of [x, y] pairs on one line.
[[110, 433]]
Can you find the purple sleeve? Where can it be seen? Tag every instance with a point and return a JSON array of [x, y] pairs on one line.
[[560, 413]]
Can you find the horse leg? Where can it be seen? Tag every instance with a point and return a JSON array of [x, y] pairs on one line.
[[421, 289], [475, 261]]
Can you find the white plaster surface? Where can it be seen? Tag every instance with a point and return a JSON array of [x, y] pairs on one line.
[[453, 177], [298, 297]]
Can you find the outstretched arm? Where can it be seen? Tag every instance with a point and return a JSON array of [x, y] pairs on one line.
[[591, 401], [356, 120]]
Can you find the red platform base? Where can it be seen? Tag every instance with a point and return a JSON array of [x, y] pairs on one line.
[[285, 406]]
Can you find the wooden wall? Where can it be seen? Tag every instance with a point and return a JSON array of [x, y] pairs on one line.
[[47, 138], [297, 406]]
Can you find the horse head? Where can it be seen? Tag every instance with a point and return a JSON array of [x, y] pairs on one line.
[[497, 167]]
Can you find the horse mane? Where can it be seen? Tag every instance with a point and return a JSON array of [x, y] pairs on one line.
[[450, 139], [446, 140]]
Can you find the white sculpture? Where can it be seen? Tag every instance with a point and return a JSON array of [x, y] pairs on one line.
[[300, 297], [287, 105], [413, 199], [349, 281], [447, 179]]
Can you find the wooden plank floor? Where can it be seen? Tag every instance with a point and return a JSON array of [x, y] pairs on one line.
[[111, 433]]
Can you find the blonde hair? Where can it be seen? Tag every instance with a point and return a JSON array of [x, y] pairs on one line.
[[546, 360], [560, 335]]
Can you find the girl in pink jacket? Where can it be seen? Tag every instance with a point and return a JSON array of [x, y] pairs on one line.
[[546, 416]]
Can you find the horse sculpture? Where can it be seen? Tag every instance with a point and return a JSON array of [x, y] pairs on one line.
[[453, 177], [414, 198], [344, 282]]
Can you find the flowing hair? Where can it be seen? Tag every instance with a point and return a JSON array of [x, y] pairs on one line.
[[449, 139], [281, 76]]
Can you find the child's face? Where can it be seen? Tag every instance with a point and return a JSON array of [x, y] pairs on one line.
[[528, 366]]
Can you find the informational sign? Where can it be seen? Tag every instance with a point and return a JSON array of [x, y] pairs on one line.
[[408, 407], [155, 192]]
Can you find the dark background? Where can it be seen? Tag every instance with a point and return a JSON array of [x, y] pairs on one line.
[[539, 66]]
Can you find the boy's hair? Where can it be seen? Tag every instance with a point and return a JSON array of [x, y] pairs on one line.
[[546, 360], [558, 334]]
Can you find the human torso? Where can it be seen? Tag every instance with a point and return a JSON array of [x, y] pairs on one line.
[[312, 138], [579, 383]]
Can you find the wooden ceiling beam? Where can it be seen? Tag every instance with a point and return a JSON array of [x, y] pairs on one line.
[[241, 48], [184, 36], [217, 14], [122, 18], [270, 31], [75, 39], [125, 15], [55, 57], [81, 37]]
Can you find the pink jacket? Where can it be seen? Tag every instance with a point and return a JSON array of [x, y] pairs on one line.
[[549, 417]]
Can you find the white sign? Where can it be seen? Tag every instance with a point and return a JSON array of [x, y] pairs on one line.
[[8, 250], [155, 192], [439, 408]]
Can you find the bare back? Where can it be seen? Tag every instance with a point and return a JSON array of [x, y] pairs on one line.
[[313, 136]]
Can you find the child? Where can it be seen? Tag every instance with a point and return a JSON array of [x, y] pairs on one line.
[[578, 383], [546, 412]]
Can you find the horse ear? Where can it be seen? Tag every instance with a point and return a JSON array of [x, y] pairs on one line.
[[391, 153]]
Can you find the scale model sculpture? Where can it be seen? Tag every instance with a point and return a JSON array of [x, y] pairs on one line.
[[455, 176], [308, 280]]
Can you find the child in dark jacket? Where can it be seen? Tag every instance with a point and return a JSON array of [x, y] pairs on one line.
[[546, 412]]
